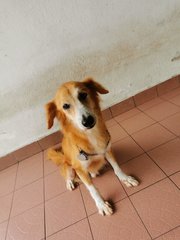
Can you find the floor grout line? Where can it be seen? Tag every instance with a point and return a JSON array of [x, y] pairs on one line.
[[44, 198], [173, 102], [139, 144], [159, 122], [146, 152], [40, 146], [121, 164], [167, 232], [140, 217], [19, 214], [66, 227], [168, 129], [175, 88], [33, 154], [114, 203], [18, 189], [14, 191], [174, 183], [155, 122], [11, 203], [162, 179], [174, 173], [82, 196], [135, 209], [86, 213]]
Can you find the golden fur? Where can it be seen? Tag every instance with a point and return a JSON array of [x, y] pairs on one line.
[[94, 140]]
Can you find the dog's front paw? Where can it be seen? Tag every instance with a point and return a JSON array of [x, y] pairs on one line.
[[70, 185], [94, 175], [130, 181], [105, 208]]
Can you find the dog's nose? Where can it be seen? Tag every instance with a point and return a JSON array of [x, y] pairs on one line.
[[88, 121]]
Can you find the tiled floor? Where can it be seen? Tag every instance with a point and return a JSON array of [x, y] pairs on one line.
[[35, 204]]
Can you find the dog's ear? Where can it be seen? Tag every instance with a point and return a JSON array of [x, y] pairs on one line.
[[50, 113], [91, 84]]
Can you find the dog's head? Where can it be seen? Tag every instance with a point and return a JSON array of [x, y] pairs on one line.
[[76, 103]]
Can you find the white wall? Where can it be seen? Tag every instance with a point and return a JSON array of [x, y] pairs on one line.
[[127, 45]]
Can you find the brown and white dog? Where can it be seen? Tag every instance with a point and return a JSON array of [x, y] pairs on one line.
[[86, 144]]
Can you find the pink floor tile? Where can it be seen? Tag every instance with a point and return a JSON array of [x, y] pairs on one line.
[[27, 197], [127, 115], [54, 185], [27, 151], [125, 150], [7, 161], [171, 94], [167, 156], [145, 96], [137, 123], [158, 207], [108, 186], [124, 224], [172, 123], [176, 178], [63, 211], [106, 114], [50, 140], [110, 123], [143, 169], [5, 207], [30, 170], [27, 226], [122, 106], [79, 231], [7, 180], [162, 111], [117, 133], [49, 166], [167, 86], [175, 100], [150, 104], [152, 136], [172, 235], [3, 227]]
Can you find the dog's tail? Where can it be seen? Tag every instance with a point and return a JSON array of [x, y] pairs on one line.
[[56, 156]]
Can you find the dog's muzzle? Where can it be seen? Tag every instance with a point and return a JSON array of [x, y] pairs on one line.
[[88, 121]]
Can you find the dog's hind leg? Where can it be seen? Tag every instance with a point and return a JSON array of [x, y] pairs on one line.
[[69, 174], [104, 207], [129, 181]]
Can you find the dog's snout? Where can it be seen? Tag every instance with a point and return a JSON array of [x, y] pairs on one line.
[[88, 121]]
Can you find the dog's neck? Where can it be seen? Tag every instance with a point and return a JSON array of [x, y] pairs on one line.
[[94, 139]]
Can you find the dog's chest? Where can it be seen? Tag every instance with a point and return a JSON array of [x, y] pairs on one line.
[[93, 141], [91, 160], [99, 147]]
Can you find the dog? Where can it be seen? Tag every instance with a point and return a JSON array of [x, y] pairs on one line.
[[86, 144]]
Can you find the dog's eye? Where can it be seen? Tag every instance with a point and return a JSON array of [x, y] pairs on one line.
[[66, 106], [82, 96]]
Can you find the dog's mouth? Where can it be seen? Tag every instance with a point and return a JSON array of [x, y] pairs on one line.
[[88, 121]]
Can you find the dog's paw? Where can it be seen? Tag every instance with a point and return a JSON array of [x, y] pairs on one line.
[[130, 181], [94, 175], [105, 208], [70, 185]]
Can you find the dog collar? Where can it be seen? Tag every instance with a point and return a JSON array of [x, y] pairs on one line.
[[84, 156]]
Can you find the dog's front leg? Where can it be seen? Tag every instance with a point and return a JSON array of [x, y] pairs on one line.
[[104, 207], [129, 181]]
